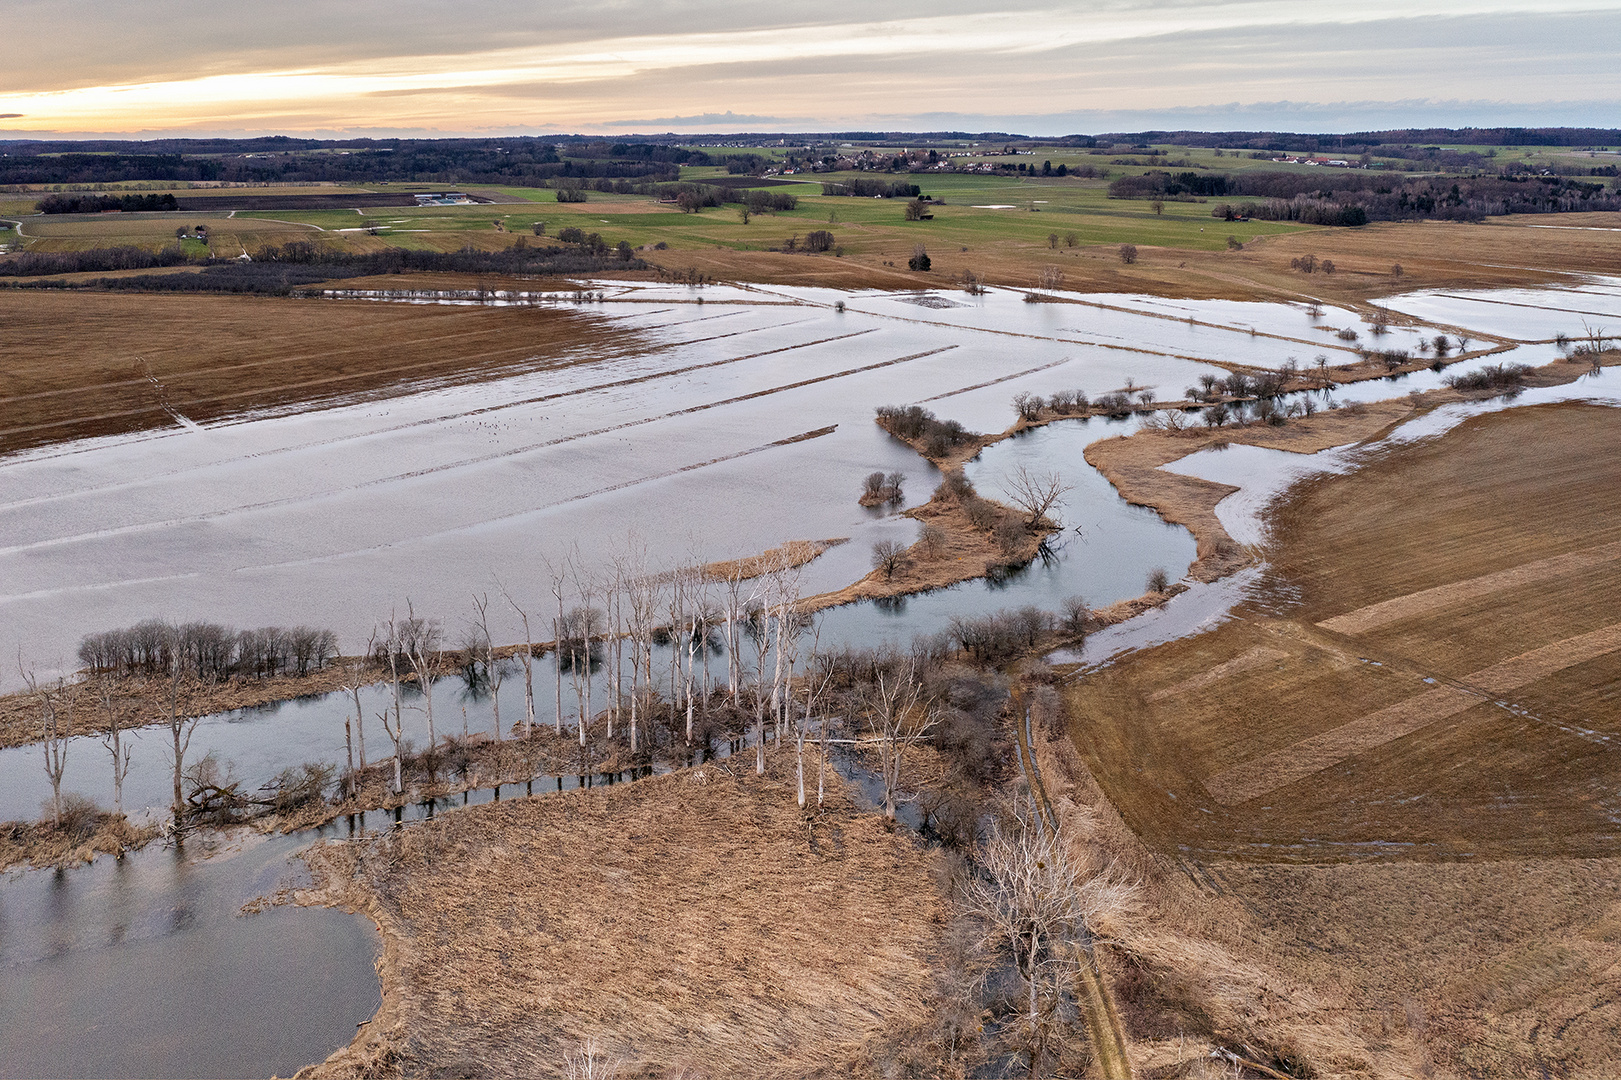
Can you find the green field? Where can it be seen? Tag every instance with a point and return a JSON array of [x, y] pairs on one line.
[[1030, 211]]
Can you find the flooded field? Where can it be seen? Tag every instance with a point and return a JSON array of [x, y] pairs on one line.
[[339, 515], [744, 421]]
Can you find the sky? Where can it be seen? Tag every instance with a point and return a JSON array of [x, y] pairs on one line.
[[81, 68]]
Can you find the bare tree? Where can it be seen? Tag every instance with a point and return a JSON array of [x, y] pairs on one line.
[[55, 729], [113, 740], [180, 727], [759, 631], [818, 677], [1029, 895], [527, 658], [354, 680], [1034, 493], [588, 627], [423, 651], [644, 602], [492, 663], [558, 575], [395, 730], [890, 700], [588, 1062], [886, 556]]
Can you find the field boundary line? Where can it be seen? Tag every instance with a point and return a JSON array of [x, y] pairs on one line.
[[1299, 760], [1248, 661], [1385, 612]]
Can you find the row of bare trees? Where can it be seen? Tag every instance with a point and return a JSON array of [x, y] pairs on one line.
[[57, 702], [208, 651]]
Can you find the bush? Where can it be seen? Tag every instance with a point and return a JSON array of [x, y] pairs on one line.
[[982, 514], [932, 541], [1073, 615], [819, 241], [919, 260], [1128, 253], [1491, 377], [80, 816], [1158, 580], [571, 195], [1010, 536], [917, 424], [954, 487], [302, 784]]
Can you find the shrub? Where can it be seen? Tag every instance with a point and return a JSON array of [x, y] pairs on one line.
[[932, 541], [1128, 253], [982, 514], [1074, 614], [819, 241], [1491, 377], [307, 783], [1158, 580], [919, 260], [915, 423], [955, 486], [1010, 536], [571, 195]]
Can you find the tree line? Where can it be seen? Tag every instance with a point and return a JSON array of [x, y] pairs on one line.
[[1332, 197], [520, 161], [97, 204], [208, 651], [279, 270]]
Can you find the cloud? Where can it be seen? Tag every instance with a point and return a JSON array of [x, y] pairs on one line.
[[828, 66], [725, 121]]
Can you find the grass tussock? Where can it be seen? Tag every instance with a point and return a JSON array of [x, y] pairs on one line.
[[84, 832]]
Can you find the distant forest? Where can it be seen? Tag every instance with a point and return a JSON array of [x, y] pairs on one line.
[[1347, 197], [277, 271], [518, 162]]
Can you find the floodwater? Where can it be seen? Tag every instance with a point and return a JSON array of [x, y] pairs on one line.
[[141, 966], [742, 422]]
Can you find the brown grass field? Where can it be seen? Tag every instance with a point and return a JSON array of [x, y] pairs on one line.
[[85, 364], [695, 925], [1499, 253], [1392, 777]]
